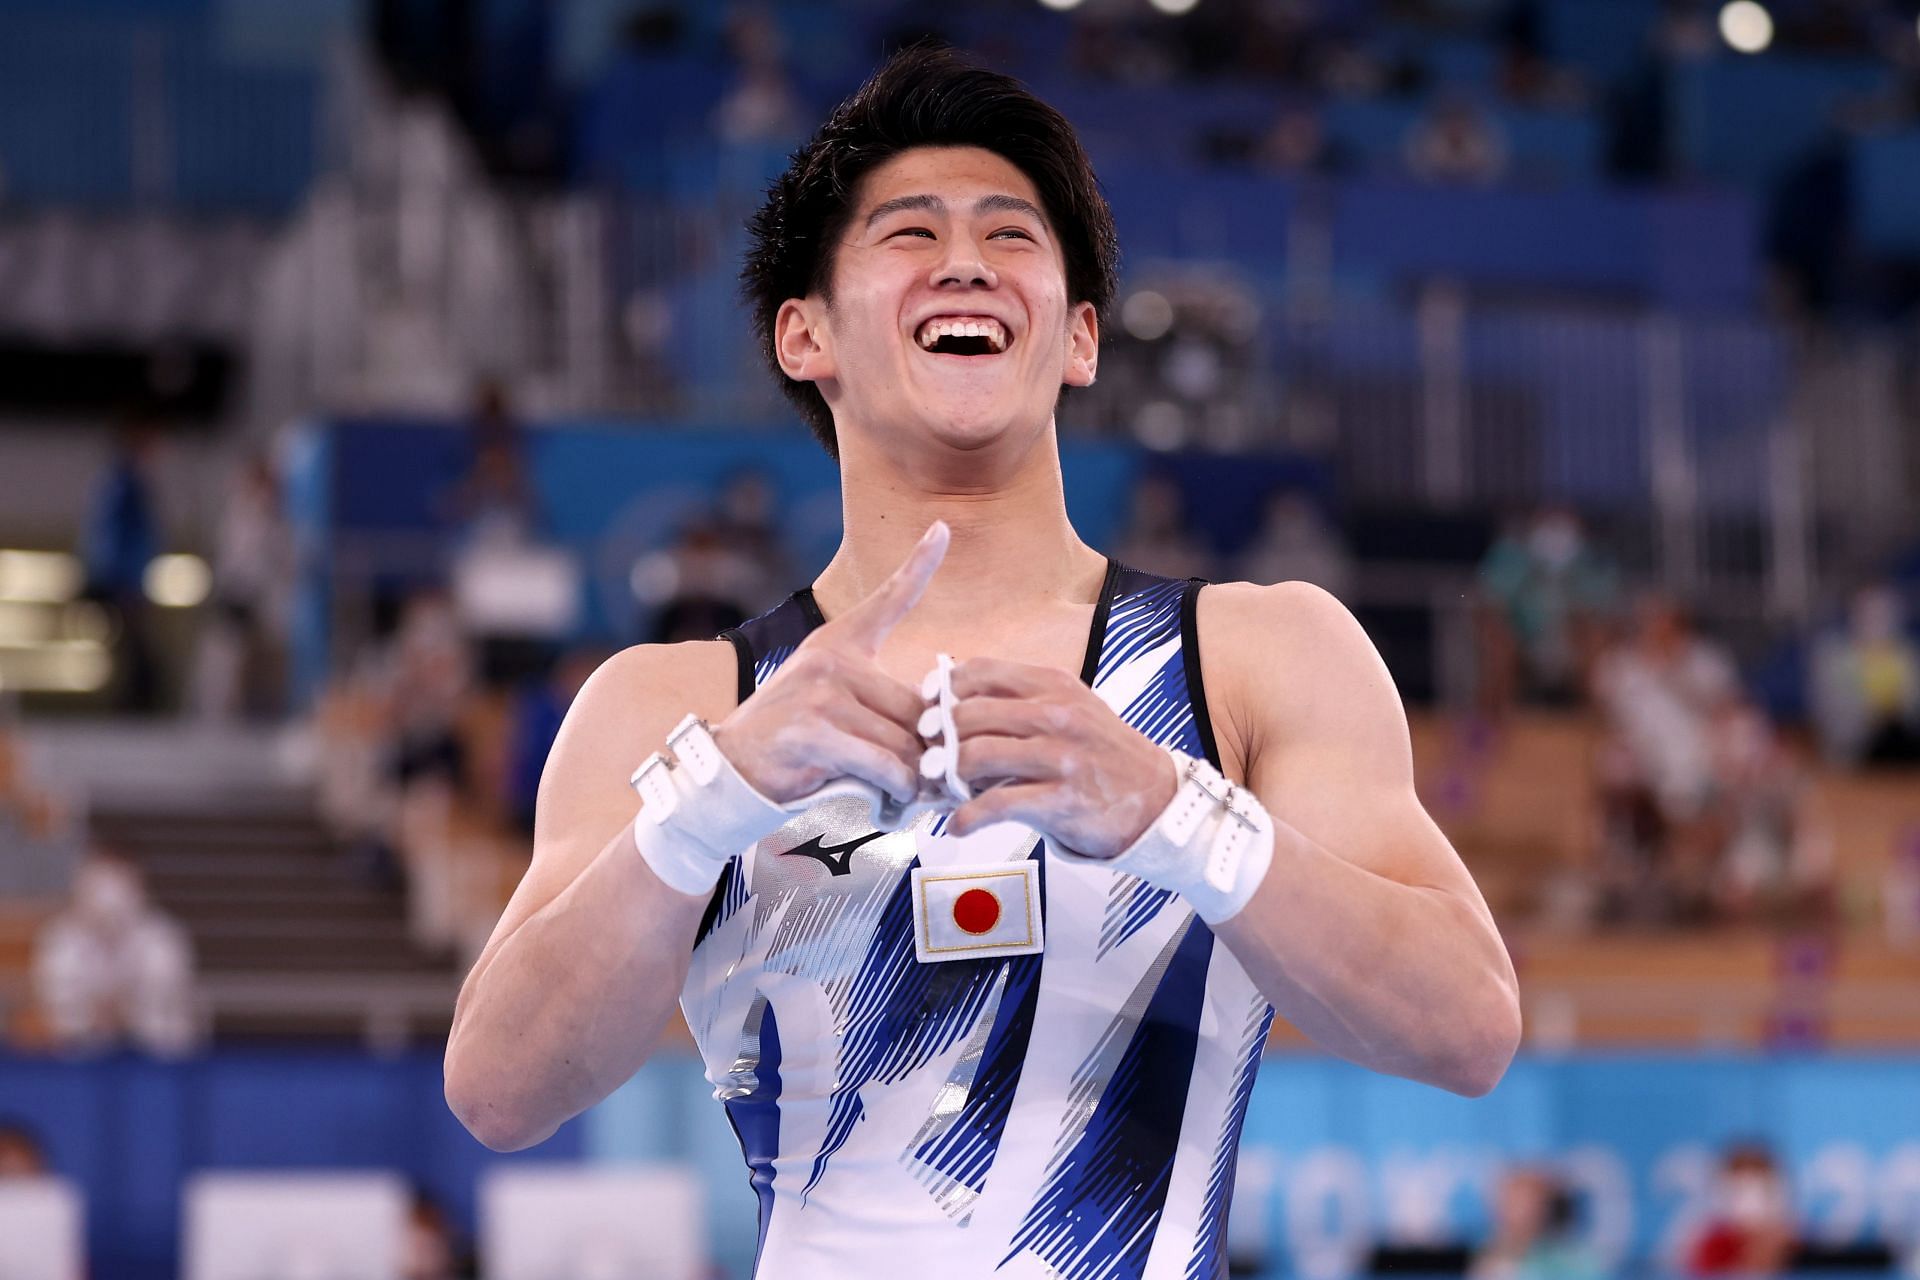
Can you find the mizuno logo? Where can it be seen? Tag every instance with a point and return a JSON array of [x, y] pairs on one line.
[[836, 858]]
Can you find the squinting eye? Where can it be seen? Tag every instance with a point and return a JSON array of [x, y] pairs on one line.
[[1010, 231], [913, 231]]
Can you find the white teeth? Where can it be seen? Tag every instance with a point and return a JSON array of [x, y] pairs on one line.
[[991, 330]]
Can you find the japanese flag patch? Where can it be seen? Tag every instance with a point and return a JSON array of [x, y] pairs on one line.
[[974, 913]]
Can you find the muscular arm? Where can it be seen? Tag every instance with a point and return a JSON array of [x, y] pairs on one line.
[[1368, 933], [582, 973]]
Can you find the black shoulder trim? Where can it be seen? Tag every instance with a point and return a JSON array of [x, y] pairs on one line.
[[711, 915], [809, 608], [743, 659], [1190, 656], [1097, 633]]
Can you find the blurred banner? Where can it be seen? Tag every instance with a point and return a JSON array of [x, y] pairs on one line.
[[1337, 1161]]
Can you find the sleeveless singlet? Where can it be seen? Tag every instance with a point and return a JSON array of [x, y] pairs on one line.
[[1071, 1114]]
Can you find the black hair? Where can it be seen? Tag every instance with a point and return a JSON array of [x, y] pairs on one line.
[[18, 1133], [924, 96]]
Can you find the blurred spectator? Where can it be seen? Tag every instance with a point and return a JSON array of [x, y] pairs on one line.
[[119, 541], [516, 591], [394, 722], [1866, 685], [744, 524], [1661, 693], [533, 724], [761, 105], [1534, 1216], [21, 1155], [1546, 594], [704, 585], [26, 808], [430, 1250], [1157, 539], [1296, 144], [1776, 862], [494, 502], [241, 665], [113, 969], [1295, 543], [1457, 142], [1750, 1231], [425, 675]]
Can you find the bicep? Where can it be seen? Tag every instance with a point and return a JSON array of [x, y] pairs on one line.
[[620, 716], [1329, 752]]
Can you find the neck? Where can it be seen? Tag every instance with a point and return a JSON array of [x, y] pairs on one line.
[[1012, 542]]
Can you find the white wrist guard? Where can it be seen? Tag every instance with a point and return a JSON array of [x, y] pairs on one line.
[[698, 812], [1212, 844]]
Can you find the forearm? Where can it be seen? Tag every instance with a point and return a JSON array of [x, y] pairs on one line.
[[571, 1003], [1409, 980]]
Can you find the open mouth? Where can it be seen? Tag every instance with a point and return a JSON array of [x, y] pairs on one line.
[[963, 336]]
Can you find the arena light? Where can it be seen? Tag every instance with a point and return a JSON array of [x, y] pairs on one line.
[[1746, 26], [39, 577], [1060, 6], [1175, 7], [79, 666], [1147, 315], [65, 666], [178, 581]]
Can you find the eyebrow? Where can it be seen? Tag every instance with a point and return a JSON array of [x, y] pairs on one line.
[[934, 204]]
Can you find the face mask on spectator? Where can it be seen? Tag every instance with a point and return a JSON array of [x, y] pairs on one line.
[[1753, 1199], [106, 896], [1555, 542]]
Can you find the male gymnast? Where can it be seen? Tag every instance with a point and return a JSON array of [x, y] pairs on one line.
[[993, 1011]]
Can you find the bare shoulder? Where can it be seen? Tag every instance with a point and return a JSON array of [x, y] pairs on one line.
[[620, 716], [624, 710], [1289, 665]]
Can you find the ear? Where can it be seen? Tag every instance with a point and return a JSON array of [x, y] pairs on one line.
[[801, 342], [1083, 346]]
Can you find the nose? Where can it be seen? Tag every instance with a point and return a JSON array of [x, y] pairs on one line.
[[964, 266]]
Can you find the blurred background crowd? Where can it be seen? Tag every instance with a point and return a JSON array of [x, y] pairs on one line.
[[371, 369]]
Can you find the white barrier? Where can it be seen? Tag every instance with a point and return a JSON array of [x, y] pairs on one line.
[[293, 1226], [593, 1223], [42, 1230]]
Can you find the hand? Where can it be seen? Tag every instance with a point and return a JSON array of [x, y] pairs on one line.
[[830, 712], [1060, 760]]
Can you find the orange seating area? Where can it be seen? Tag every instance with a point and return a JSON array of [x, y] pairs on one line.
[[1519, 807], [20, 921]]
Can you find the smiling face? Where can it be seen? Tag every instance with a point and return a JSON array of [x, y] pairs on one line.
[[949, 321]]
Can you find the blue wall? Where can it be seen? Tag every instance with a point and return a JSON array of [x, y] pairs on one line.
[[129, 1130], [1335, 1157]]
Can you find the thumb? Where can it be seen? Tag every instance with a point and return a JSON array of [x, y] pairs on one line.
[[869, 622]]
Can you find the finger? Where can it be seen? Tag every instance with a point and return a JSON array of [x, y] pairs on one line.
[[1008, 717], [1018, 759], [855, 757], [869, 622], [863, 722], [1026, 802], [881, 693], [996, 677]]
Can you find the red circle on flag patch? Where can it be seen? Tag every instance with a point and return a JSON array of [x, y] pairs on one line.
[[976, 911]]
